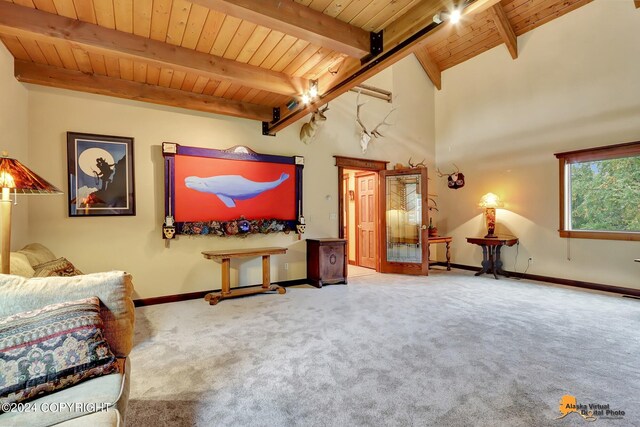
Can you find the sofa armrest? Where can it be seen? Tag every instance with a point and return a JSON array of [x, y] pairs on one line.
[[20, 265], [114, 289]]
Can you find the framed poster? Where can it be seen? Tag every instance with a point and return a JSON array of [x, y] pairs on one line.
[[231, 192], [100, 169]]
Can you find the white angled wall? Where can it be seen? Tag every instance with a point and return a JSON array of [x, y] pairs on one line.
[[576, 84]]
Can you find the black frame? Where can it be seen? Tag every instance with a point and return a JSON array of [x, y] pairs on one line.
[[117, 203]]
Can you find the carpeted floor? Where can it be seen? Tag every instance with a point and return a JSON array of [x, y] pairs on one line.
[[449, 349]]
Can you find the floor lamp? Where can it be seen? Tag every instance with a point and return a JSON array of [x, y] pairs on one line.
[[16, 177]]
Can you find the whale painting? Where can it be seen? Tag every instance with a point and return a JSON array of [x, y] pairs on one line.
[[207, 185], [231, 188]]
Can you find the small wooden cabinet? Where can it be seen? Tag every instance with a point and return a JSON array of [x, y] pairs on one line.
[[326, 261]]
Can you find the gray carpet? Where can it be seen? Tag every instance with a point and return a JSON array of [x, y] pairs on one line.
[[386, 350]]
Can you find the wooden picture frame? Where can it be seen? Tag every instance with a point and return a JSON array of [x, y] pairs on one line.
[[231, 192], [101, 175]]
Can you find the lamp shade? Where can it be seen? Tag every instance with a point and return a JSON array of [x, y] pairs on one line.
[[490, 200], [19, 178]]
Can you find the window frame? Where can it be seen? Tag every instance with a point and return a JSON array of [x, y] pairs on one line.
[[629, 149]]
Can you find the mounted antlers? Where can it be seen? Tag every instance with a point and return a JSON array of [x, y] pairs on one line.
[[365, 135], [309, 130], [455, 179], [417, 164]]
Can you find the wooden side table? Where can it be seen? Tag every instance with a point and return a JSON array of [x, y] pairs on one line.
[[491, 252], [225, 257], [326, 261], [441, 239]]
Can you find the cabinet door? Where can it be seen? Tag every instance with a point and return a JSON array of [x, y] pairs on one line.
[[332, 262]]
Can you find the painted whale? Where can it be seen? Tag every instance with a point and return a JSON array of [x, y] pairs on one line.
[[230, 188]]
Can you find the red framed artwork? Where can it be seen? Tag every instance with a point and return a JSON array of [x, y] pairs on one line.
[[231, 192]]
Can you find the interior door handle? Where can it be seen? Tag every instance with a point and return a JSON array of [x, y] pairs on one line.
[[424, 227]]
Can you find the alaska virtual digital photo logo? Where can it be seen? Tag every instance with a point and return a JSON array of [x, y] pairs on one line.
[[589, 412]]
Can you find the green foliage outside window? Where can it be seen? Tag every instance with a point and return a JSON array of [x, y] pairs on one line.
[[605, 195]]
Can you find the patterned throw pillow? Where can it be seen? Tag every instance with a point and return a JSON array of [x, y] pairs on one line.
[[51, 348], [57, 267]]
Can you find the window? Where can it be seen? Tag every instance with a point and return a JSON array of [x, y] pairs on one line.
[[600, 192]]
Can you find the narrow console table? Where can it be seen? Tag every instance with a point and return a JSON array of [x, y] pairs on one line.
[[440, 239], [491, 252], [225, 257]]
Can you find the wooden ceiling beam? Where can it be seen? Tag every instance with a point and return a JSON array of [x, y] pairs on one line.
[[352, 72], [299, 21], [46, 75], [429, 66], [421, 15], [505, 29], [637, 2], [23, 21]]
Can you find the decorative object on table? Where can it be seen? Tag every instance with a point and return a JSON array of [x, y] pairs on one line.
[[432, 206], [491, 252], [365, 135], [101, 181], [16, 177], [455, 179], [326, 261], [232, 192], [433, 230], [489, 202], [309, 130]]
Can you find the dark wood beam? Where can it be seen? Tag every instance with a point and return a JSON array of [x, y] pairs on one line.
[[505, 29], [429, 66], [299, 21], [23, 21], [351, 72], [29, 72]]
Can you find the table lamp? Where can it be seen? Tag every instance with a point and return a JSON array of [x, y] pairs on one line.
[[490, 202], [16, 177]]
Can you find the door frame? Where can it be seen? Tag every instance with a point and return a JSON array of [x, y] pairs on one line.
[[376, 208], [345, 212], [343, 163]]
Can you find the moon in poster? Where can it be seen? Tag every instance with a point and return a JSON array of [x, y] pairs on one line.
[[87, 159]]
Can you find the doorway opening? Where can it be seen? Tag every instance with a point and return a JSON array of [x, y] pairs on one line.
[[359, 223]]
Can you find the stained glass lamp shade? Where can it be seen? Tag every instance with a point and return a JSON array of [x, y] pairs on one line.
[[17, 178]]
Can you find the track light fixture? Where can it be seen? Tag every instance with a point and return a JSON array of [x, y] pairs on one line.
[[311, 94], [452, 16]]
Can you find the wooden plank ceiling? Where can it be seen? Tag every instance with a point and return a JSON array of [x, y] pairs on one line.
[[244, 58]]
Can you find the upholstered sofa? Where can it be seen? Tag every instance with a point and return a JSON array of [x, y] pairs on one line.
[[95, 400]]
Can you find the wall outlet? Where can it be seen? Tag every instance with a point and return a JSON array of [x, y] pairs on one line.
[[286, 265], [333, 216]]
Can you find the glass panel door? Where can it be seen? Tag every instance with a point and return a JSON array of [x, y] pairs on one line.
[[404, 246]]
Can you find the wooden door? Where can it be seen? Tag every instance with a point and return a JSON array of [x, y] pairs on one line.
[[366, 219], [404, 218]]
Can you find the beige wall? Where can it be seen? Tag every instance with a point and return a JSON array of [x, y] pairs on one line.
[[134, 243], [14, 137], [575, 85]]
